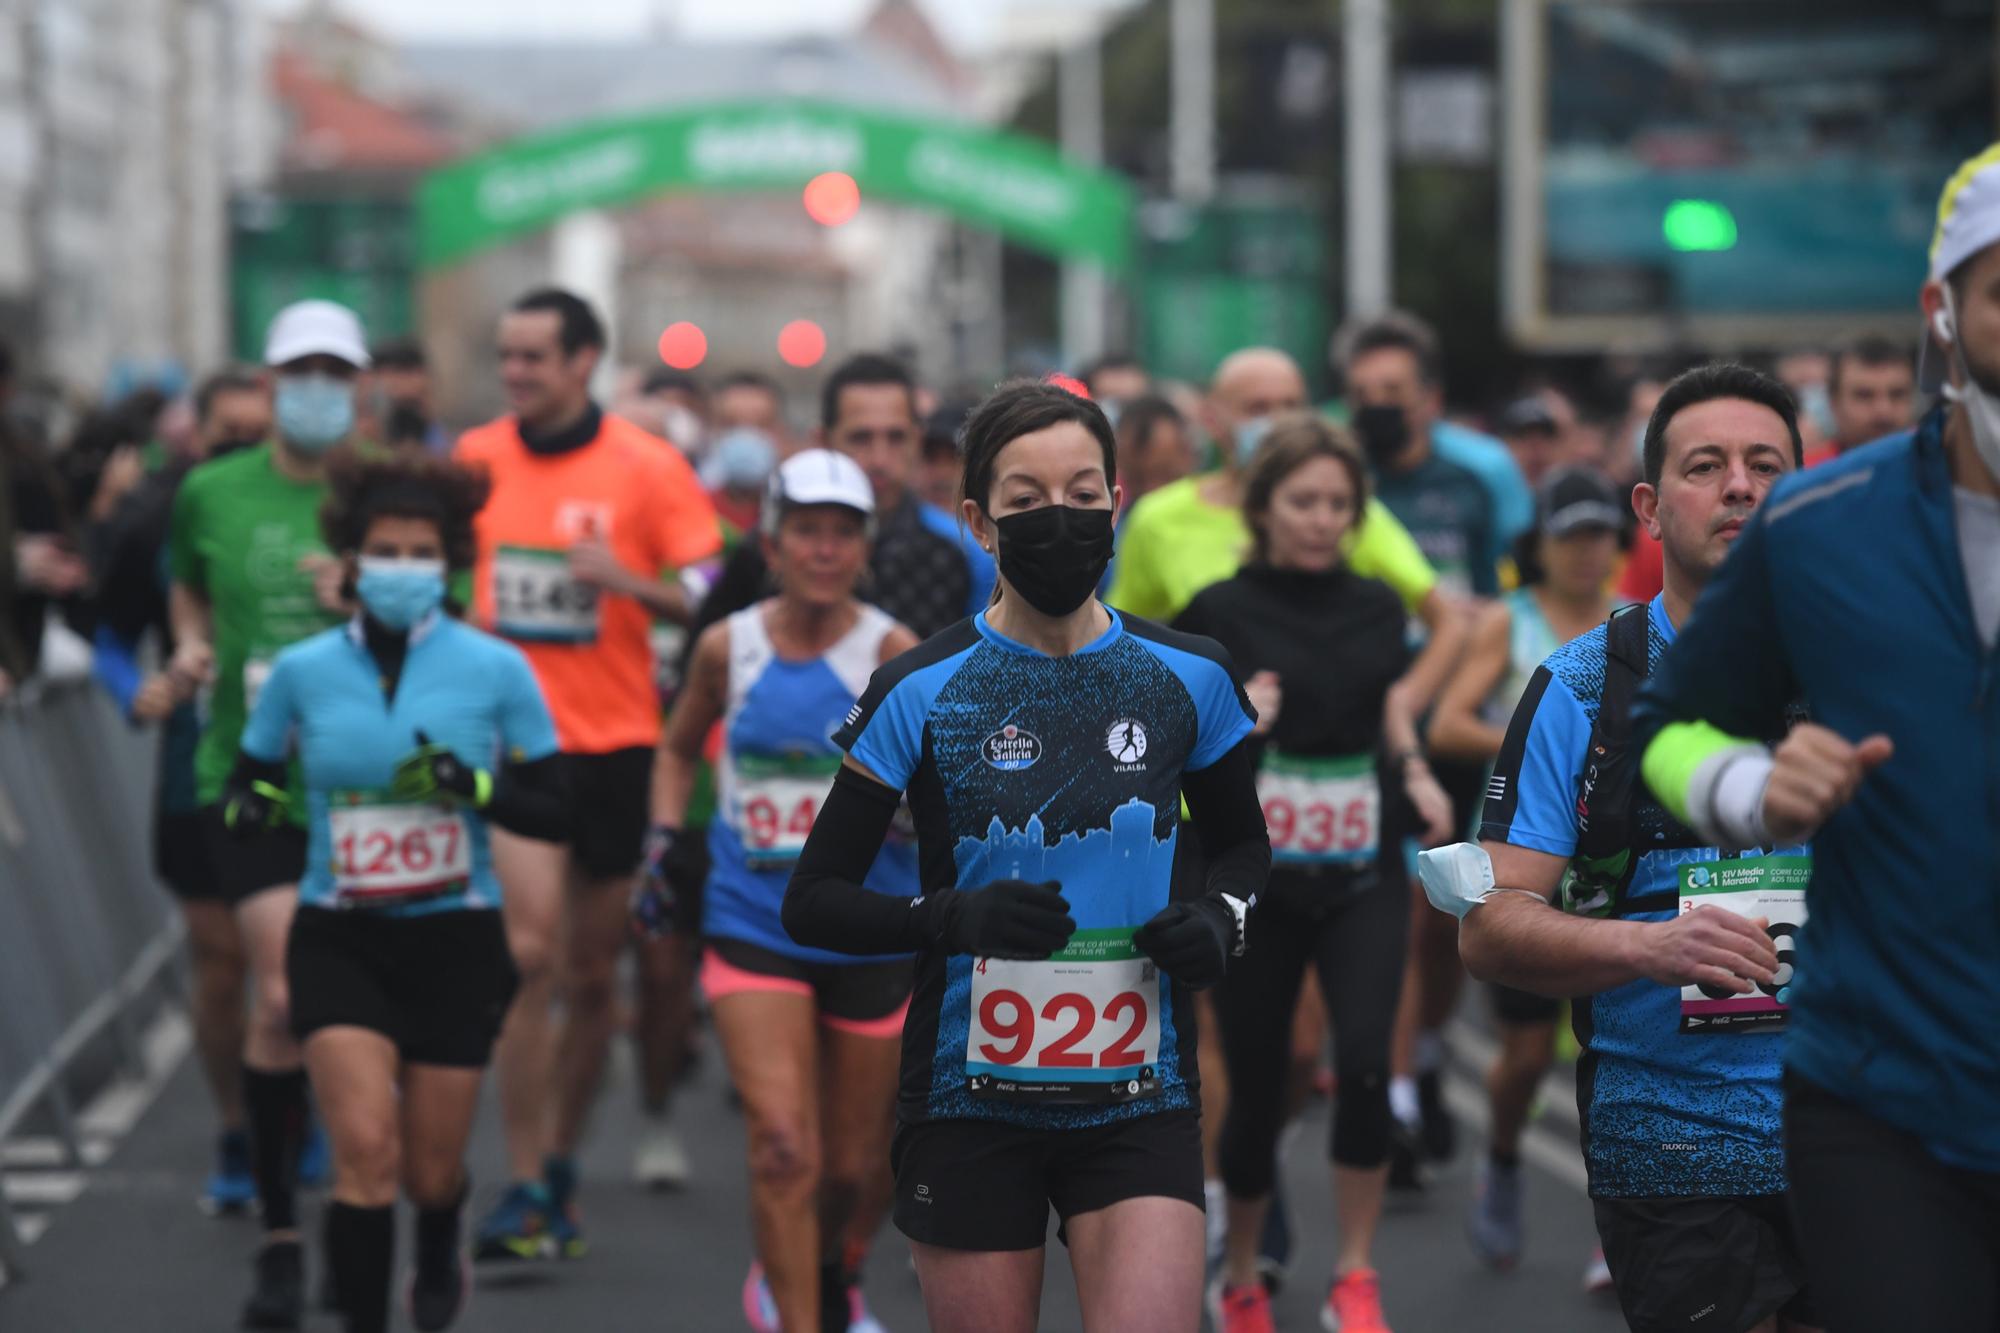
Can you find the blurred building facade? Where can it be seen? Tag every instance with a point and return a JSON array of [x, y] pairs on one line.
[[125, 127]]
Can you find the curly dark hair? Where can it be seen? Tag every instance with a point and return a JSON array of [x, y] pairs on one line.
[[436, 490]]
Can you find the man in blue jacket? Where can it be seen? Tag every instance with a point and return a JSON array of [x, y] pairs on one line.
[[1889, 559]]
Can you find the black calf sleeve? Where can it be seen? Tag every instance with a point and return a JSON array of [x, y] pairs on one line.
[[361, 1247], [275, 1106]]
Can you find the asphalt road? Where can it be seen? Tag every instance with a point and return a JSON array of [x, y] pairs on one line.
[[121, 1246]]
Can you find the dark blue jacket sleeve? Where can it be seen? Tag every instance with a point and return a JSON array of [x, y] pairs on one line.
[[1728, 665]]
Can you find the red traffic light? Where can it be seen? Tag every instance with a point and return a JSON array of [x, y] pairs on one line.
[[831, 198], [683, 345], [801, 344]]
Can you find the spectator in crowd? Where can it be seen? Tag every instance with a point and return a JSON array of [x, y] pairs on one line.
[[399, 399], [938, 476], [748, 437], [1529, 429], [1872, 389], [1115, 380], [1808, 373], [1155, 447], [42, 539]]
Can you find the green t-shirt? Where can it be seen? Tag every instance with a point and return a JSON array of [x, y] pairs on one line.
[[240, 529], [1174, 543]]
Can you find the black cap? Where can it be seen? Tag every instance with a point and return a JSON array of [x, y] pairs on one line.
[[1524, 414], [1576, 498]]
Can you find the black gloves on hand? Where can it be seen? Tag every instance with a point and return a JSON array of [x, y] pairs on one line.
[[432, 771], [673, 871], [1009, 918], [1191, 941]]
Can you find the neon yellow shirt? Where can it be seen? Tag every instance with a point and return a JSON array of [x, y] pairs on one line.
[[1174, 543]]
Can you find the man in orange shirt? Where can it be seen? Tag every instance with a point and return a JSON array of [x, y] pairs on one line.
[[587, 512], [1872, 390]]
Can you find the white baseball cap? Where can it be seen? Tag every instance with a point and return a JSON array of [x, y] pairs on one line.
[[1968, 221], [818, 477], [316, 328]]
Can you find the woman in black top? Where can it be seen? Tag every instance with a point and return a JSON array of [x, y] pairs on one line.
[[1322, 650]]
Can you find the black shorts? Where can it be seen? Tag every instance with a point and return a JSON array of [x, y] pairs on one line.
[[1522, 1007], [246, 865], [182, 857], [437, 986], [610, 807], [981, 1185], [1724, 1264], [858, 993]]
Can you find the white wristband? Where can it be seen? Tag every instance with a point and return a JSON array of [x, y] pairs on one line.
[[1726, 797]]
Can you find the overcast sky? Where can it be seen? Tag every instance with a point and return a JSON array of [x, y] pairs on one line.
[[964, 23]]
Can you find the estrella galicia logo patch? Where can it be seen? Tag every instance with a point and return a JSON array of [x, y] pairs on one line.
[[1125, 742], [1011, 749]]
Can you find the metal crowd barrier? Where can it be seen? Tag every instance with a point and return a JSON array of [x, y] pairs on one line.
[[87, 936]]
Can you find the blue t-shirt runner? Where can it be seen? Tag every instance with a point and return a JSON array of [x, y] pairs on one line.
[[1666, 1111], [1022, 766], [366, 847], [777, 761]]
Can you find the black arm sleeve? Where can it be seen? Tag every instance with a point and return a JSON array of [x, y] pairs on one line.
[[826, 906], [529, 799], [251, 769], [1228, 818]]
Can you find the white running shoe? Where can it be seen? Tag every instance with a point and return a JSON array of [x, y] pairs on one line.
[[661, 1162]]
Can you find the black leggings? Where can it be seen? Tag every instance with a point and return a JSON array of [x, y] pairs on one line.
[[1358, 947], [1893, 1238]]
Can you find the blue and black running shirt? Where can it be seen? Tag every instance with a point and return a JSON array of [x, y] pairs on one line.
[[1018, 765]]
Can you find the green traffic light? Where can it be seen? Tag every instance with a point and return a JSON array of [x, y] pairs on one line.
[[1698, 224]]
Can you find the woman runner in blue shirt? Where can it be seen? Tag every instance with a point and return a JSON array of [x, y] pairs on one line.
[[810, 1036], [413, 731], [1045, 744]]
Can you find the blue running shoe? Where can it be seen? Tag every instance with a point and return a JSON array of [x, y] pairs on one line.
[[518, 1227], [315, 1158], [565, 1225], [231, 1188]]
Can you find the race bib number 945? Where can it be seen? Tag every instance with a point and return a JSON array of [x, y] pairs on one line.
[[1082, 1026], [777, 800], [1772, 887], [385, 852], [535, 598], [1321, 811]]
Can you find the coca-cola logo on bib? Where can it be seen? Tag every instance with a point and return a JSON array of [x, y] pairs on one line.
[[1011, 749]]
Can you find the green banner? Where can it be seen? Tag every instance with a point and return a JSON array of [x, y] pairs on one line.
[[1020, 187]]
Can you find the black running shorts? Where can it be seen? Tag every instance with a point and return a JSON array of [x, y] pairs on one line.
[[437, 986], [610, 806], [1726, 1263], [247, 864], [1523, 1007], [980, 1185], [182, 856]]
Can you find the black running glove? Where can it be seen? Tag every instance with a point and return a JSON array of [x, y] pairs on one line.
[[1009, 918], [1191, 941], [432, 772]]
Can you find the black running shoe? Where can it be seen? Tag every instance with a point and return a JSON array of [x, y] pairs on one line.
[[1406, 1161], [1440, 1132], [279, 1299]]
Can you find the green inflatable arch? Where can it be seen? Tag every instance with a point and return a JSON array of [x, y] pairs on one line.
[[1018, 186]]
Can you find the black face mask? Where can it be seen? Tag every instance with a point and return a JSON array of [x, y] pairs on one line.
[[1055, 555], [230, 444], [1384, 432]]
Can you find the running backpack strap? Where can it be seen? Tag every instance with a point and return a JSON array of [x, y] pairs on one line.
[[1603, 863]]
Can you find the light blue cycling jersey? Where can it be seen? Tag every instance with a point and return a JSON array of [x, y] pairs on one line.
[[463, 689]]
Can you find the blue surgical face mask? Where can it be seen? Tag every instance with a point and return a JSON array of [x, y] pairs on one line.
[[742, 459], [314, 412], [397, 592], [1249, 436]]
